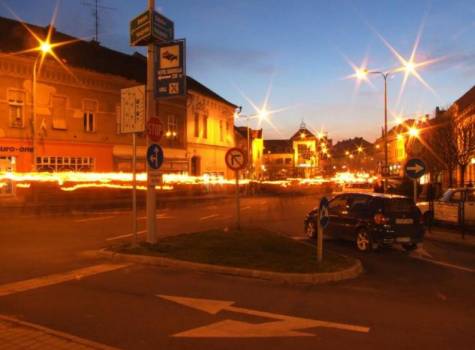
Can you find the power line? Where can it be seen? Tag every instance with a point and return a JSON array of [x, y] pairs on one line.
[[96, 7]]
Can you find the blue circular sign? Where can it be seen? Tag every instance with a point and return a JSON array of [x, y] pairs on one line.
[[415, 168], [323, 213], [154, 156]]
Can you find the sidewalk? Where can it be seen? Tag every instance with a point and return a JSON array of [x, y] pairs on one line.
[[16, 334], [450, 235]]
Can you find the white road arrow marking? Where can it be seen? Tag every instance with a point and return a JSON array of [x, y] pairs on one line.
[[285, 326]]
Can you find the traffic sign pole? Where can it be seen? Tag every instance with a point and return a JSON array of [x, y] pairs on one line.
[[151, 196], [238, 204], [415, 190], [134, 187]]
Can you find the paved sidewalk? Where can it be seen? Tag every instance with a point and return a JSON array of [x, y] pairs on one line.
[[450, 235], [16, 335]]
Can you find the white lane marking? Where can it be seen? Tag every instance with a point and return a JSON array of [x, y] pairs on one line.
[[245, 208], [445, 264], [124, 236], [33, 283], [281, 326], [95, 218], [208, 217]]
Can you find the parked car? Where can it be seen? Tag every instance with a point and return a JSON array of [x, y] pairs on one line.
[[447, 208], [371, 220]]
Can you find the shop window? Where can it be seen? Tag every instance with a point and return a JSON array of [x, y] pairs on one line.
[[16, 108], [89, 115], [59, 112], [197, 125], [53, 164]]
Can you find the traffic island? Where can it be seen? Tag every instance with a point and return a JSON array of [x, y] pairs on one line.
[[248, 253]]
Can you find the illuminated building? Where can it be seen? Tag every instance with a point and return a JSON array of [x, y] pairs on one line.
[[300, 156], [78, 110]]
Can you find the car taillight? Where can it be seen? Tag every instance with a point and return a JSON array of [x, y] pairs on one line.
[[380, 219]]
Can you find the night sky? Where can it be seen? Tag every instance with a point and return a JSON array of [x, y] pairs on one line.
[[301, 48]]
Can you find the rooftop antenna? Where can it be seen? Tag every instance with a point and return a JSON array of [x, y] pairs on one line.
[[302, 124], [96, 7]]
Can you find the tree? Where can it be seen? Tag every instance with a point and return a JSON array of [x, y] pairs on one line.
[[437, 145], [464, 132]]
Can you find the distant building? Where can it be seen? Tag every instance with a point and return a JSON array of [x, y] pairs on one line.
[[78, 110], [303, 155], [355, 154]]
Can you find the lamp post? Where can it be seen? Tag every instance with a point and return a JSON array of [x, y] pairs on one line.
[[361, 74], [44, 48]]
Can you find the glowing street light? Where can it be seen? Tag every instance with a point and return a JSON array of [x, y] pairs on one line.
[[413, 132]]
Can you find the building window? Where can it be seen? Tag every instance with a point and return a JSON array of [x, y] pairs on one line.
[[205, 126], [16, 108], [53, 164], [89, 120], [172, 126], [59, 112], [288, 160], [221, 133], [197, 125], [227, 129]]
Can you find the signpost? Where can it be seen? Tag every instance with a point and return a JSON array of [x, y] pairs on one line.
[[414, 169], [171, 70], [151, 26], [322, 223], [132, 120], [236, 160]]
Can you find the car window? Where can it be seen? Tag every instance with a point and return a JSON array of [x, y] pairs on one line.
[[446, 196], [398, 205], [358, 201], [337, 202]]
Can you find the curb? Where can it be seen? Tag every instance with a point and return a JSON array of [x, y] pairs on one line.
[[292, 278]]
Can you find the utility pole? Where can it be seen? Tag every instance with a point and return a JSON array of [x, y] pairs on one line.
[[150, 98]]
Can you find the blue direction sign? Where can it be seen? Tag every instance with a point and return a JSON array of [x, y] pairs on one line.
[[415, 168], [323, 212], [154, 156]]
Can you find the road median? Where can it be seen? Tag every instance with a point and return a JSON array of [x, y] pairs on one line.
[[252, 253]]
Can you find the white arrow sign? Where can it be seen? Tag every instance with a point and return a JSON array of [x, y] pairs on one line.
[[283, 326], [416, 168]]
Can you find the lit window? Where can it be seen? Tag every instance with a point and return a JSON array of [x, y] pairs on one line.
[[53, 164], [89, 122], [197, 125], [221, 136], [16, 108], [172, 126], [59, 112], [205, 126]]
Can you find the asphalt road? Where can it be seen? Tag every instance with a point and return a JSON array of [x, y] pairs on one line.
[[400, 302]]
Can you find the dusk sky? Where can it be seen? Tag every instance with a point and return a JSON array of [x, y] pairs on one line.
[[301, 48]]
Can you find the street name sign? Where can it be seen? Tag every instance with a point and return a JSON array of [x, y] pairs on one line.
[[154, 156], [132, 109], [171, 69], [154, 129], [151, 26], [235, 159], [415, 168]]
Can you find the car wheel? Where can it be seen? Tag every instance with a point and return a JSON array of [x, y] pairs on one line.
[[409, 247], [311, 230], [364, 242]]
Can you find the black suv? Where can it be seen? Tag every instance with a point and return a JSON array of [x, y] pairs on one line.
[[371, 220]]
